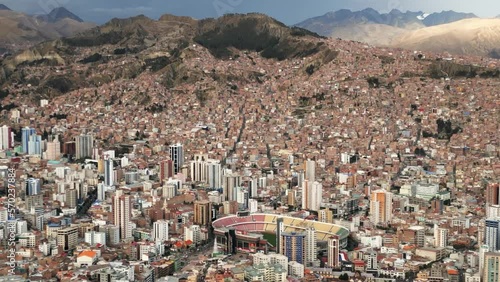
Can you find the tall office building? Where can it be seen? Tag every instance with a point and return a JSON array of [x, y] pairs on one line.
[[296, 269], [493, 194], [242, 197], [301, 175], [69, 148], [280, 228], [491, 267], [292, 245], [202, 213], [306, 188], [110, 153], [53, 150], [492, 234], [231, 241], [100, 166], [166, 170], [371, 259], [169, 190], [440, 237], [262, 182], [6, 140], [124, 161], [310, 170], [33, 201], [101, 192], [21, 226], [38, 218], [253, 205], [71, 198], [334, 252], [481, 231], [67, 238], [131, 177], [311, 247], [291, 197], [93, 238], [415, 235], [122, 212], [112, 233], [231, 182], [380, 207], [33, 186], [26, 132], [84, 144], [109, 173], [483, 249], [325, 215], [160, 231], [312, 195], [176, 182], [252, 188], [492, 211], [214, 174], [35, 145], [192, 233], [198, 170], [177, 157]]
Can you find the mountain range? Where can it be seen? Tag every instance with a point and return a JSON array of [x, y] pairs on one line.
[[58, 14], [326, 24], [137, 45], [140, 65], [179, 52], [19, 31], [458, 33]]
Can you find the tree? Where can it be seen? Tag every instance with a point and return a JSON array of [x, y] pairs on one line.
[[373, 82], [420, 152], [310, 69], [45, 134], [344, 277]]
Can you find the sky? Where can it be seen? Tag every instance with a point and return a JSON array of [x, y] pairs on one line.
[[288, 11]]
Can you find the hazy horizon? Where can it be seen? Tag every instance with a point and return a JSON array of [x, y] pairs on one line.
[[295, 12]]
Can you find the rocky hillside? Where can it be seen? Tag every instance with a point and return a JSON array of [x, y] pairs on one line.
[[133, 46], [255, 32]]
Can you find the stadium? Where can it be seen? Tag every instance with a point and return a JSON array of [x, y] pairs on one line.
[[246, 232]]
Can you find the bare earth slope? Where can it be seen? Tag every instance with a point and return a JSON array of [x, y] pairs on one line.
[[374, 34], [447, 31], [470, 36]]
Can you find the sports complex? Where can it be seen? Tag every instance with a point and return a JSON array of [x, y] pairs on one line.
[[246, 233]]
